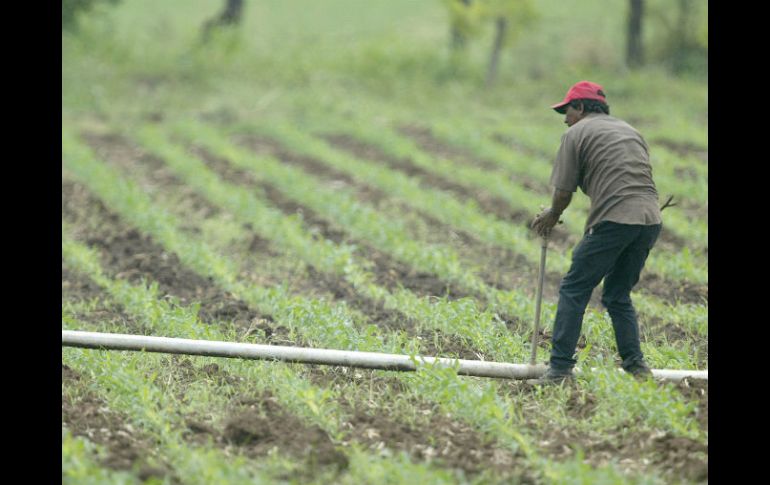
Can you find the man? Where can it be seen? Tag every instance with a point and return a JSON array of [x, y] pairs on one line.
[[608, 159]]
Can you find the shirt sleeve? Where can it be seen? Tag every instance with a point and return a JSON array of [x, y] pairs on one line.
[[566, 169]]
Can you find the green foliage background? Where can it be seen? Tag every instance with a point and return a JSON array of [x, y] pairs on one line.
[[143, 56]]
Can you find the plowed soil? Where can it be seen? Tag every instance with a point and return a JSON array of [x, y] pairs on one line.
[[126, 448], [253, 426]]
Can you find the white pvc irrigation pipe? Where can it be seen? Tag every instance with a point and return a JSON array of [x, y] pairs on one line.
[[370, 360]]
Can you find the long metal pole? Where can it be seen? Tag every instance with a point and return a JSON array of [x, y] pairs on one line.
[[369, 360], [540, 278]]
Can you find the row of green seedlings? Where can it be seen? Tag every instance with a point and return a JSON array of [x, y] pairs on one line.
[[293, 184], [475, 401], [496, 183], [200, 257], [465, 215], [92, 173], [136, 384]]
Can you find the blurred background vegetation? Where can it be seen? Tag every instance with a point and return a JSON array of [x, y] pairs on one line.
[[232, 59]]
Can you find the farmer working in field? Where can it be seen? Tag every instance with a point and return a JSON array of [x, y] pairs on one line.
[[608, 159]]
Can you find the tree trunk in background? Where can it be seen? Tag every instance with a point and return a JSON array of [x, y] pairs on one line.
[[635, 52], [681, 44], [502, 27], [230, 15], [458, 37]]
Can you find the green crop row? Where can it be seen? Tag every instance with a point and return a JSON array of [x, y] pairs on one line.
[[79, 464]]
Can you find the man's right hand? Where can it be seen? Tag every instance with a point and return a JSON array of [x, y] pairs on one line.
[[544, 222]]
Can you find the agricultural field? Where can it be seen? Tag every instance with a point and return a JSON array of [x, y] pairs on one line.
[[321, 178]]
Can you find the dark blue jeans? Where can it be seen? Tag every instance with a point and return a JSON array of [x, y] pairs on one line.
[[613, 252]]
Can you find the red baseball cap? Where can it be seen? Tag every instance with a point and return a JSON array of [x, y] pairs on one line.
[[581, 90]]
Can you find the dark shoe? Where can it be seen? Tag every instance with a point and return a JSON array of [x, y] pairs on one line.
[[554, 376], [639, 369]]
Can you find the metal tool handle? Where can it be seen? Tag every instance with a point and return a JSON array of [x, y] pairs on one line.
[[540, 279]]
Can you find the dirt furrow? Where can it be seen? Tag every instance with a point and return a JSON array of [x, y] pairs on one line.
[[252, 425], [516, 145], [76, 287], [333, 178], [432, 145], [427, 434], [89, 416], [487, 202], [119, 151], [684, 148], [634, 450], [236, 176], [256, 424], [100, 310]]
